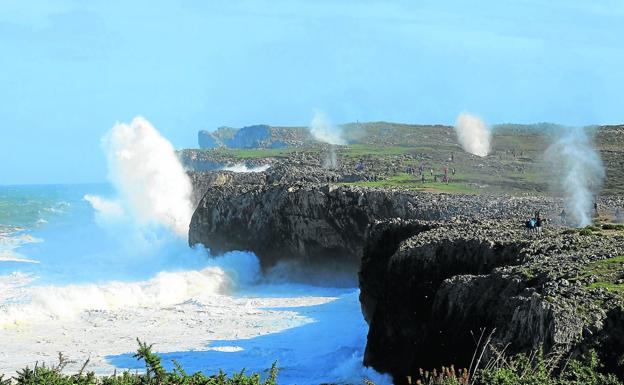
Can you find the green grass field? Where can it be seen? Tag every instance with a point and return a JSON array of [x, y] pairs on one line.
[[609, 273], [411, 182]]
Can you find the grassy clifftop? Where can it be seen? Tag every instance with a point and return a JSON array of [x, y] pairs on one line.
[[388, 154]]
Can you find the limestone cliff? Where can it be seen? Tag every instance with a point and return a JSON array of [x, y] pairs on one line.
[[429, 297], [435, 270]]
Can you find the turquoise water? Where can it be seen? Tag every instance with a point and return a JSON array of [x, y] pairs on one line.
[[65, 255], [56, 230]]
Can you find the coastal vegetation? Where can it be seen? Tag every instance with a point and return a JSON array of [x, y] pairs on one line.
[[155, 374], [521, 369]]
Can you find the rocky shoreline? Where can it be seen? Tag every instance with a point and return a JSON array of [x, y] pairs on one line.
[[428, 301], [434, 269]]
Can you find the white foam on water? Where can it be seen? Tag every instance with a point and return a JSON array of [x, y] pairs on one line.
[[241, 167], [165, 289], [12, 239], [10, 256], [211, 316]]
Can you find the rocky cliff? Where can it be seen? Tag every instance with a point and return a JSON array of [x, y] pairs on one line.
[[305, 222], [309, 222], [256, 136], [435, 270], [429, 296]]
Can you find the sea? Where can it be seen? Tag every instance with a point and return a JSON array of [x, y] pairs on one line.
[[75, 281]]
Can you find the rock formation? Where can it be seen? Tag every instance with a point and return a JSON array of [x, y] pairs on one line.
[[428, 298], [256, 136], [308, 221], [435, 270]]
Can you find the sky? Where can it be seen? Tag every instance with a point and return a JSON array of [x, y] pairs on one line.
[[69, 70]]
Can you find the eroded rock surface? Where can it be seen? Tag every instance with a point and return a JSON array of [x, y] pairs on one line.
[[310, 221], [435, 270], [435, 294]]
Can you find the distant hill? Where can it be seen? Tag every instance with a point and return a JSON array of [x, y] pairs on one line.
[[256, 136]]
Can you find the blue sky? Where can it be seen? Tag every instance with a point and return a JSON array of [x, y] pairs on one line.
[[70, 69]]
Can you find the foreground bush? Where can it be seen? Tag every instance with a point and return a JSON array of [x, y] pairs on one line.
[[524, 370], [155, 374], [518, 370]]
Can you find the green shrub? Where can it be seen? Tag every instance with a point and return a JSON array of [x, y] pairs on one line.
[[613, 226], [536, 370], [522, 369], [155, 374]]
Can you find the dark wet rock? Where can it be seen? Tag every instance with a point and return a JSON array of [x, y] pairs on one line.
[[434, 269], [305, 222], [436, 293]]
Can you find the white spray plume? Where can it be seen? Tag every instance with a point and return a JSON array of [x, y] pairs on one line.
[[148, 175], [578, 172], [331, 160], [104, 207], [474, 136], [324, 131]]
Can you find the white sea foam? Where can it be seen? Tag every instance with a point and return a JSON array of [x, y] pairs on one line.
[[11, 239], [11, 256], [12, 288], [241, 167], [195, 305], [167, 288]]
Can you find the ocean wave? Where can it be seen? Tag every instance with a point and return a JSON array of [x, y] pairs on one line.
[[224, 275], [11, 239], [12, 288], [66, 302], [241, 167], [17, 239], [10, 256]]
